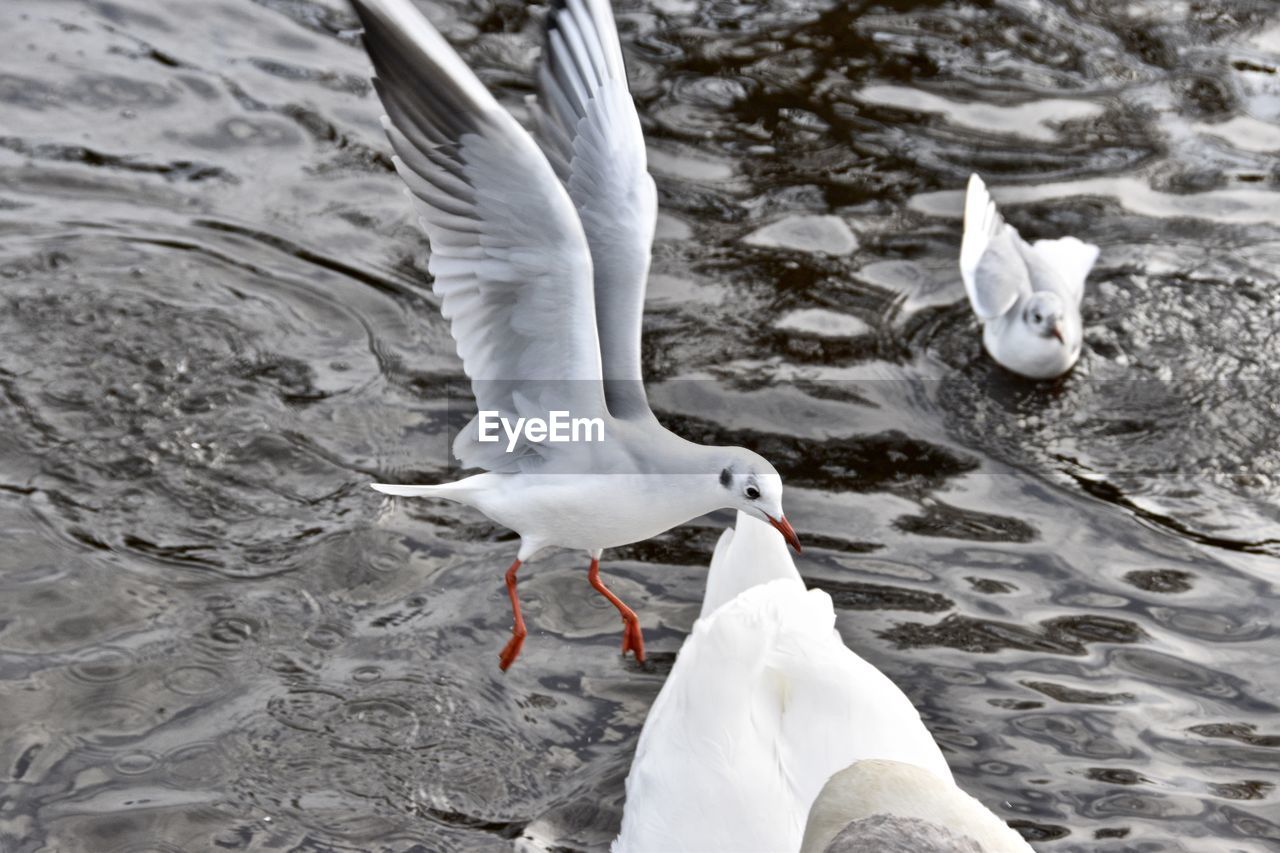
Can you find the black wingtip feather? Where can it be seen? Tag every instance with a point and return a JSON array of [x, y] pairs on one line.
[[412, 83]]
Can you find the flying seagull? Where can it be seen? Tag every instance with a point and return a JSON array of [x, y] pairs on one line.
[[770, 734], [540, 258], [1027, 295]]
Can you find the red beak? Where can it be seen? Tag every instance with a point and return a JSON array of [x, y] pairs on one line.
[[1057, 333], [788, 532]]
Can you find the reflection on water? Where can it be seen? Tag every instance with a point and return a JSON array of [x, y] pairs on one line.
[[213, 635]]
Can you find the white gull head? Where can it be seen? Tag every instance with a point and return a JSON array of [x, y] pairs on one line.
[[749, 484]]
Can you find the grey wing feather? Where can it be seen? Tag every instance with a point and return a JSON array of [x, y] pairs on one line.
[[588, 127], [508, 254], [994, 272]]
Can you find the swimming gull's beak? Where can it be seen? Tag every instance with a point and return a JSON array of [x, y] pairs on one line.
[[788, 532], [1056, 331]]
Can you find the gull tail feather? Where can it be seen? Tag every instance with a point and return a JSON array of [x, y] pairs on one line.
[[448, 491]]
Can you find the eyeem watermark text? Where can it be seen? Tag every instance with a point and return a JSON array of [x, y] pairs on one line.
[[558, 427]]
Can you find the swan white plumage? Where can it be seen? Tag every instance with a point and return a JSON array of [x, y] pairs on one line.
[[765, 709]]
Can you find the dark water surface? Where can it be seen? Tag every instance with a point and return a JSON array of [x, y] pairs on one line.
[[214, 333]]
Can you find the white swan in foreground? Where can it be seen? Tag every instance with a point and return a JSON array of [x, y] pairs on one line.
[[766, 711], [1027, 295]]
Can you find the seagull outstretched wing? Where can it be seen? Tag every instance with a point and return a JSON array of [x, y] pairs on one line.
[[508, 254], [588, 127], [994, 272], [1070, 260]]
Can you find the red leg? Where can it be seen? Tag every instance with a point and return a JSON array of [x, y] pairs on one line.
[[632, 637], [512, 650]]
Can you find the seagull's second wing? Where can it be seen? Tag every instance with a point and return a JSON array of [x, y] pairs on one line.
[[993, 270], [1070, 260], [510, 260], [588, 127]]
